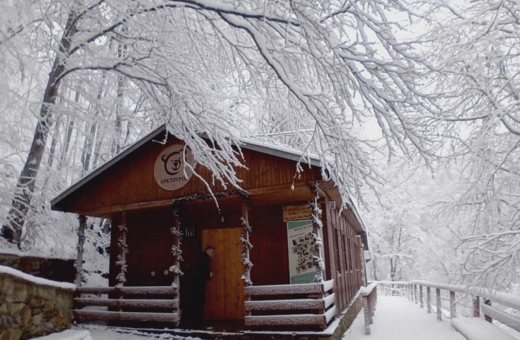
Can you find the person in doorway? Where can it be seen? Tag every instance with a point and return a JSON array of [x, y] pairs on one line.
[[200, 274]]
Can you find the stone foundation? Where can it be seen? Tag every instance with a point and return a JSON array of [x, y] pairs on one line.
[[29, 309]]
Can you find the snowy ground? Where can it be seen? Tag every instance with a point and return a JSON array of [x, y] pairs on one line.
[[112, 333], [396, 318]]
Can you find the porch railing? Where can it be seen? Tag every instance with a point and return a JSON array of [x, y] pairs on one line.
[[290, 305], [144, 304]]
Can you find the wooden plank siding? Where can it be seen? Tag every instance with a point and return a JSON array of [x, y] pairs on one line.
[[132, 181], [342, 254]]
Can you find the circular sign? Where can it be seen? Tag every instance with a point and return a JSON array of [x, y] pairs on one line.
[[170, 171]]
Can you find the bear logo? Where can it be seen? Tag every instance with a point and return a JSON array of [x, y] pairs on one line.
[[172, 162]]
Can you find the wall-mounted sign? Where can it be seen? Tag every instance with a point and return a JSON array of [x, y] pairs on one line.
[[301, 251], [170, 171], [296, 212]]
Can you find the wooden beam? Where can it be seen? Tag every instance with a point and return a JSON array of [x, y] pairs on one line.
[[330, 314], [278, 305], [136, 290], [127, 303], [308, 288], [329, 300], [271, 195], [126, 316], [287, 320], [507, 319], [328, 285]]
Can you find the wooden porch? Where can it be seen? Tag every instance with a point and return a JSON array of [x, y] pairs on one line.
[[310, 306]]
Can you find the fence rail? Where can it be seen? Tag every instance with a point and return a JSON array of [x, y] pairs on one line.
[[493, 308]]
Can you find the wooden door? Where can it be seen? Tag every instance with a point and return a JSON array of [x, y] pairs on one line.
[[225, 290]]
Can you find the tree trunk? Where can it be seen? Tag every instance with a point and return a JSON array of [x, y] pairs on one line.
[[27, 180]]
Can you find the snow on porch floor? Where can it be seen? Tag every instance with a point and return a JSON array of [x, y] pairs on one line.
[[396, 318]]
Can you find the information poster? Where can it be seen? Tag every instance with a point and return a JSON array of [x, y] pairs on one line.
[[301, 251]]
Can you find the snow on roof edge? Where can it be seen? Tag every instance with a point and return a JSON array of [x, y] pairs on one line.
[[34, 279]]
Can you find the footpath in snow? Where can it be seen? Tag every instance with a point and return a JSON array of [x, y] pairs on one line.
[[396, 318]]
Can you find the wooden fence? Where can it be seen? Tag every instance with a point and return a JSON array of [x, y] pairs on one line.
[[290, 305], [494, 307], [146, 304], [369, 295]]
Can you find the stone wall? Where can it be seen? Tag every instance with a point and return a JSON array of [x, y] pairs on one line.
[[29, 309], [53, 269]]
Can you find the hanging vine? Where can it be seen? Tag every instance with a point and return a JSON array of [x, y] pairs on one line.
[[176, 247], [244, 239]]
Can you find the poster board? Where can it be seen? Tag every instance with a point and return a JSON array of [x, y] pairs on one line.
[[301, 251]]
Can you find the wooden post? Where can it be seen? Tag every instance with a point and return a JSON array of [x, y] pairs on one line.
[[342, 254], [439, 306], [415, 293], [453, 310], [328, 230], [176, 231], [421, 296], [362, 264], [81, 243], [428, 300], [486, 317], [316, 222], [366, 309], [476, 307], [121, 257], [246, 259]]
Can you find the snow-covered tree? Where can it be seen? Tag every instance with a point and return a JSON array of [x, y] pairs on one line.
[[476, 46], [204, 66]]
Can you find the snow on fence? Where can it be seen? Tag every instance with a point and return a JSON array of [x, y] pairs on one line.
[[394, 288], [148, 304], [495, 304], [369, 295], [313, 303]]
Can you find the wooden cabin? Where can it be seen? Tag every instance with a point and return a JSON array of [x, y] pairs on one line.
[[286, 256]]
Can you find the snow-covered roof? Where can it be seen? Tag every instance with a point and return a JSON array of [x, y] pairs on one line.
[[272, 150]]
